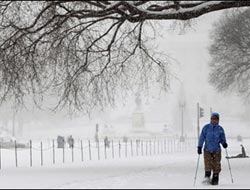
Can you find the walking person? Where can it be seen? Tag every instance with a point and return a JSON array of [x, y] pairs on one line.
[[71, 141], [212, 135]]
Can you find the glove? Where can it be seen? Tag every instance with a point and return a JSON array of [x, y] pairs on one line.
[[199, 150], [225, 145]]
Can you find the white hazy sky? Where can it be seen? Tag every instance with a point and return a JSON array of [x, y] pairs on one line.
[[190, 49]]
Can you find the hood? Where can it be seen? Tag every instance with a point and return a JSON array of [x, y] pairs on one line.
[[215, 115]]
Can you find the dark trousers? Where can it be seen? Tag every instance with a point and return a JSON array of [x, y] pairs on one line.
[[212, 162]]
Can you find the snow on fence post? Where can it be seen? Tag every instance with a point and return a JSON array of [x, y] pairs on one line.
[[41, 153], [119, 149], [30, 153], [81, 150], [54, 159], [90, 157], [132, 153], [16, 154], [113, 152], [98, 149]]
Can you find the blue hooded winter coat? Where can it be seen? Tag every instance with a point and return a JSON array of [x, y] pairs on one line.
[[213, 136]]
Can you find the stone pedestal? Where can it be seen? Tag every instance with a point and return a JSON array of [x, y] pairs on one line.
[[138, 121]]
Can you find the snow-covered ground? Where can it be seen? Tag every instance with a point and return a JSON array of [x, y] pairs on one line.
[[171, 170]]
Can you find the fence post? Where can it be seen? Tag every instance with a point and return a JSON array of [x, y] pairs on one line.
[[150, 148], [72, 151], [174, 146], [162, 150], [168, 146], [137, 144], [181, 146], [177, 146], [63, 153], [90, 157], [41, 153], [105, 150], [132, 153], [113, 152], [82, 151], [146, 148], [119, 149], [154, 147], [16, 154], [126, 148], [54, 155], [171, 145], [165, 146], [160, 146], [158, 143], [30, 153], [0, 156], [142, 148], [98, 149]]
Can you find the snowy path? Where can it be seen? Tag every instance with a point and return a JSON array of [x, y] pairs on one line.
[[171, 171]]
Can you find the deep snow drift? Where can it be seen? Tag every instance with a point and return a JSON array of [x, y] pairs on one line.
[[171, 170]]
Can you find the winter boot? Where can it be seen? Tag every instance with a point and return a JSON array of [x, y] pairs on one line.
[[208, 174], [215, 180], [206, 181]]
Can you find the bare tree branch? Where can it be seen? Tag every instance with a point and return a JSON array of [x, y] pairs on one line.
[[83, 53], [230, 52]]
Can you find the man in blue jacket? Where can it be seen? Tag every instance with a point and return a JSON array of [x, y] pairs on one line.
[[213, 135]]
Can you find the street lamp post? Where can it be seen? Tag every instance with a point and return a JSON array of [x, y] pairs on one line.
[[200, 114]]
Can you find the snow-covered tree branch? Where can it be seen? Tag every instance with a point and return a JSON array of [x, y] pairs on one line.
[[83, 52]]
